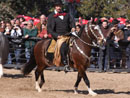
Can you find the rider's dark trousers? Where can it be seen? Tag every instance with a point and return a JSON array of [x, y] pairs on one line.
[[64, 50]]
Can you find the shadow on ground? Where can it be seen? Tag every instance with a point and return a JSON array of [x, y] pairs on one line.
[[99, 91], [15, 76]]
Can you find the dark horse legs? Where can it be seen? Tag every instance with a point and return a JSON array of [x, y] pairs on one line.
[[85, 78], [37, 74], [77, 83]]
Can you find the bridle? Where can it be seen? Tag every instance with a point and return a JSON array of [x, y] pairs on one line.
[[86, 30], [93, 43]]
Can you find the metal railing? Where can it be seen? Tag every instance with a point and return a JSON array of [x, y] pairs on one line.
[[96, 60]]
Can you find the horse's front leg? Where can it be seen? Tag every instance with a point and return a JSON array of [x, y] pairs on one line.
[[91, 92], [77, 83], [1, 70]]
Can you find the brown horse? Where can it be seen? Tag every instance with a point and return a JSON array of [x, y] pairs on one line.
[[80, 54], [4, 50]]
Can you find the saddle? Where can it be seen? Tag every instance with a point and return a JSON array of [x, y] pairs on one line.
[[54, 48]]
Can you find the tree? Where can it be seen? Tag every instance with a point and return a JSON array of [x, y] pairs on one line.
[[32, 8], [88, 8], [101, 8], [6, 12]]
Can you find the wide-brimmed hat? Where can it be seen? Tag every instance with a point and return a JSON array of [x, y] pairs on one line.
[[58, 2]]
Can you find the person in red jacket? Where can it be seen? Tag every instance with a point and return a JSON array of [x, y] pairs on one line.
[[44, 33]]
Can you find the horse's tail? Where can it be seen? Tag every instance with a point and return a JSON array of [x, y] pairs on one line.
[[29, 66]]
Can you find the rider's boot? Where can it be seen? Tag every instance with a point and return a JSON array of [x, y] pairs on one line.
[[66, 66]]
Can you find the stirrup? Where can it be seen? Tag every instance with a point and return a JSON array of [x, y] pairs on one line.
[[67, 69]]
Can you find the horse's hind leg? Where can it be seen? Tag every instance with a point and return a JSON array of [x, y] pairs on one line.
[[1, 70], [91, 92], [42, 80], [77, 83], [37, 74]]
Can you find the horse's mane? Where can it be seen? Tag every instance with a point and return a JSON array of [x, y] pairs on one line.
[[81, 30]]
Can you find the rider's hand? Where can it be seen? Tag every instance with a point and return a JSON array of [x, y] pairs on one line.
[[128, 38], [59, 37], [73, 30]]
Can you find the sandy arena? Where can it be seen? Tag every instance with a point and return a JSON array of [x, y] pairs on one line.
[[60, 85]]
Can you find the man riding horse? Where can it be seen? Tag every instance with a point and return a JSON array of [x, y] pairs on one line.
[[59, 24]]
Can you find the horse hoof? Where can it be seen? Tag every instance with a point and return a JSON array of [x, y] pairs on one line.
[[1, 76], [75, 92], [39, 90], [93, 94]]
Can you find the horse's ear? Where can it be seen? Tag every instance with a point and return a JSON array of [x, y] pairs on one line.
[[81, 30], [96, 22], [92, 21]]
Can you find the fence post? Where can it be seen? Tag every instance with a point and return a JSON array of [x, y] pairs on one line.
[[100, 59]]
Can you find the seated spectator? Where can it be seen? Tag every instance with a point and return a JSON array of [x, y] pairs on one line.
[[44, 33], [8, 28], [7, 32], [12, 22], [22, 22], [42, 22], [77, 23], [28, 32], [17, 22], [16, 34], [78, 27], [2, 26]]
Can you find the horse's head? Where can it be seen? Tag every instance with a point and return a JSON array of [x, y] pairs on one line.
[[95, 33]]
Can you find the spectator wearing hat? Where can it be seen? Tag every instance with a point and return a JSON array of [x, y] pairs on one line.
[[114, 49]]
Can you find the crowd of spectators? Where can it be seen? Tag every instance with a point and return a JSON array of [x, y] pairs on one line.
[[20, 29], [117, 47], [19, 32]]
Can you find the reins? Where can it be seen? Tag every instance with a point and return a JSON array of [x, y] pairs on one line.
[[92, 45], [86, 30]]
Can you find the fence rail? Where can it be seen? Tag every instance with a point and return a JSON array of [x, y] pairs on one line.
[[96, 60]]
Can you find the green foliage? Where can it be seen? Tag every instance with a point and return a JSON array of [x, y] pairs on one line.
[[101, 8], [92, 8], [32, 8], [6, 12]]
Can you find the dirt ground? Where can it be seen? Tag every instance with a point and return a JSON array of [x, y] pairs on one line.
[[60, 85]]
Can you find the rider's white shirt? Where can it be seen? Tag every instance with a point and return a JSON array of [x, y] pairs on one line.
[[61, 17]]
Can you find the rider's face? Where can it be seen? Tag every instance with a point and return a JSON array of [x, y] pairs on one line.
[[58, 8]]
